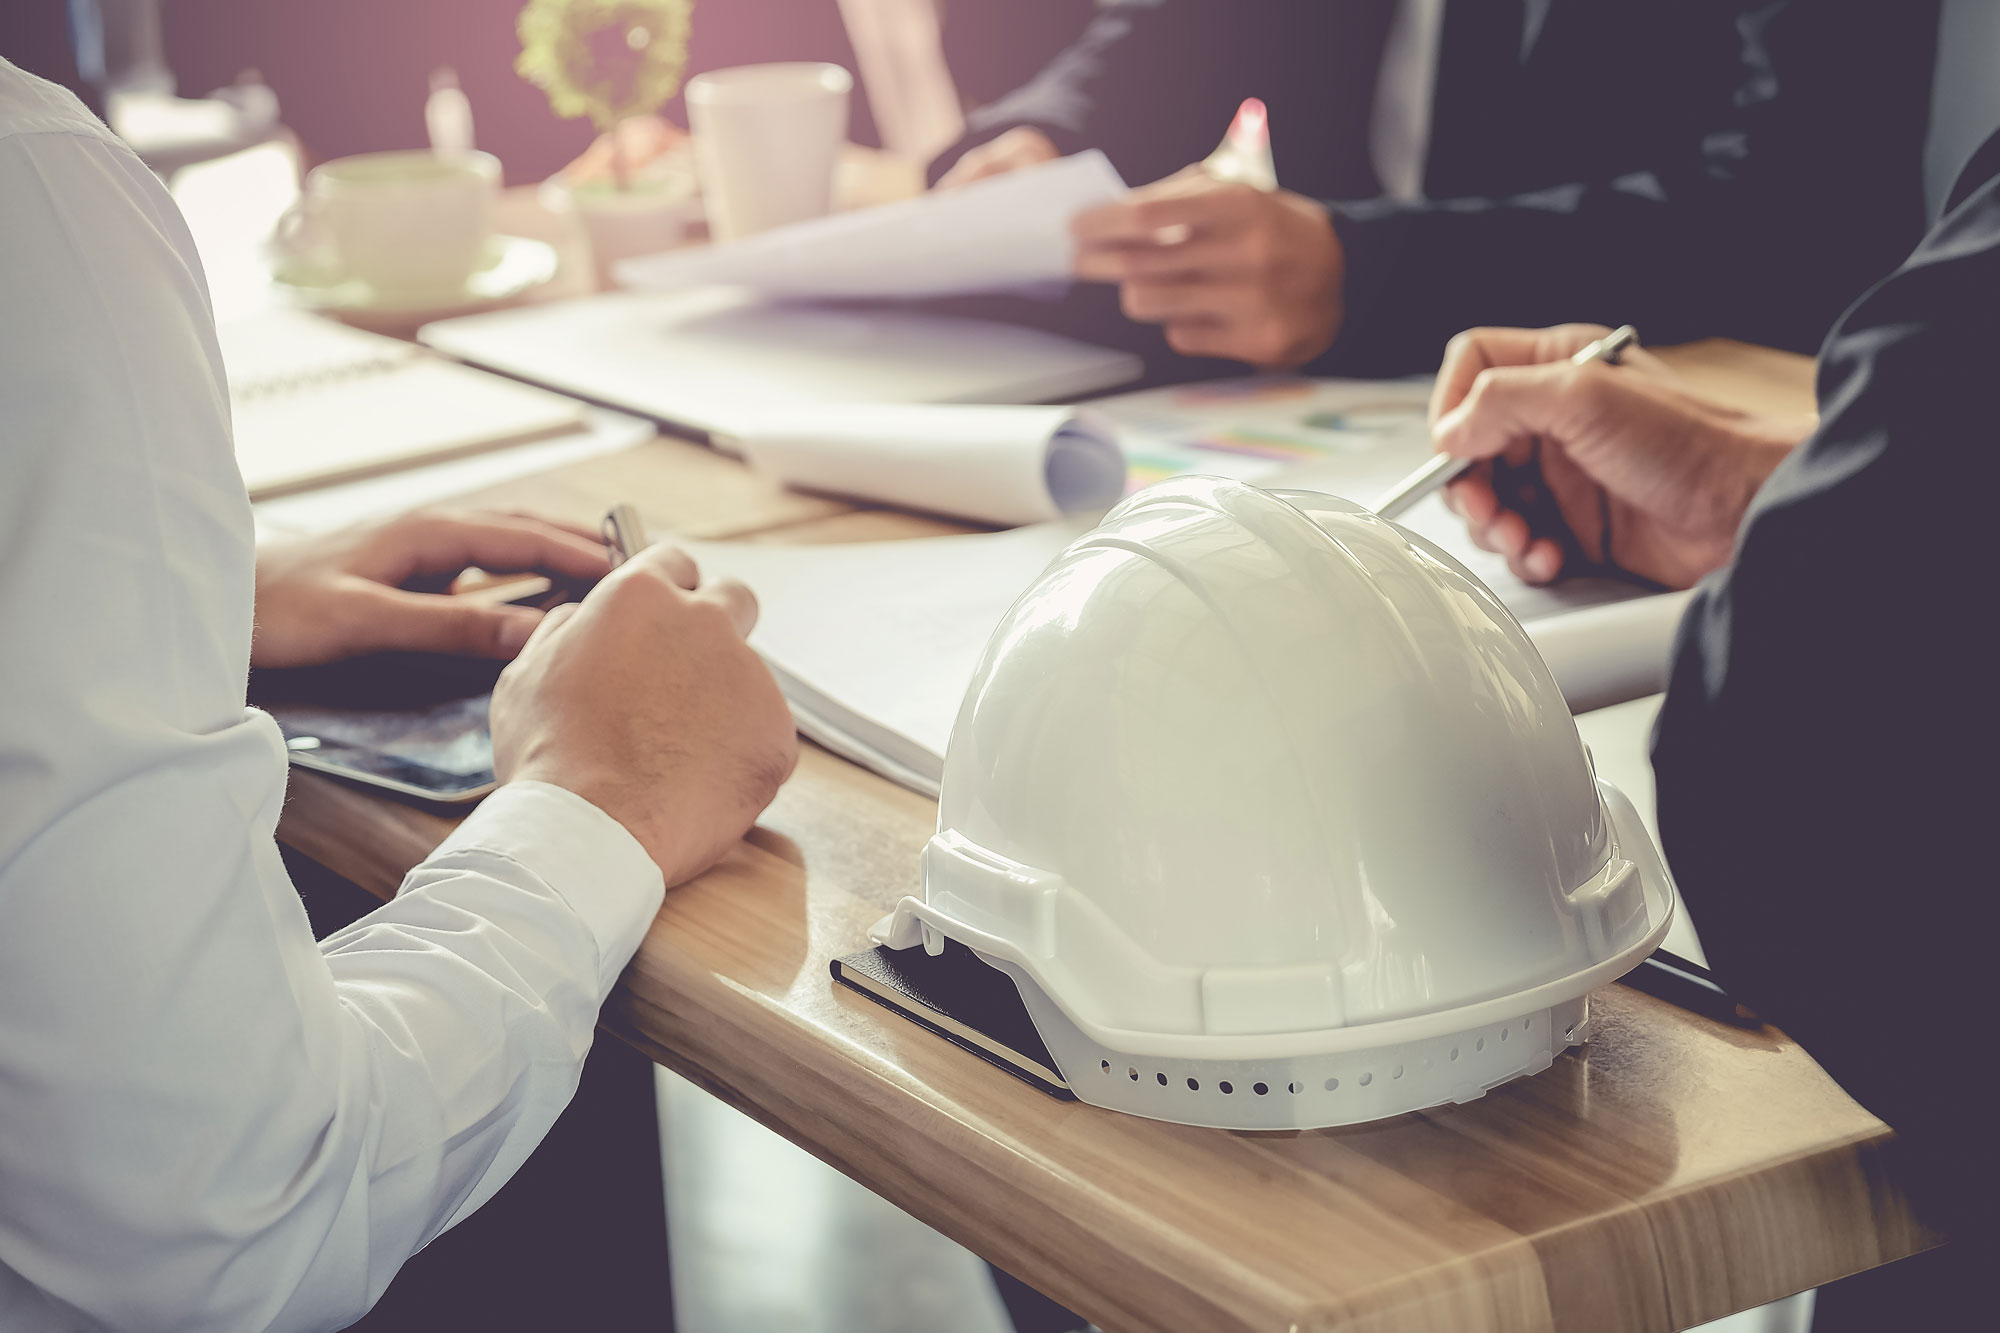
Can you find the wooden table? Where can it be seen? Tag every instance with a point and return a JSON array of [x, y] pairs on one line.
[[1672, 1172]]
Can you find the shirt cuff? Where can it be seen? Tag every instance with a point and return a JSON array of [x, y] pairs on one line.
[[587, 858]]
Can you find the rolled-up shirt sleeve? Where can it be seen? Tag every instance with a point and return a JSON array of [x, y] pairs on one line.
[[207, 1119]]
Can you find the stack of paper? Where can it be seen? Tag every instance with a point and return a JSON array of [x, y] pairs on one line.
[[874, 643]]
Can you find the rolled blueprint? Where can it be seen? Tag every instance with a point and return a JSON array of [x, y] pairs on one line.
[[1000, 465], [1604, 655]]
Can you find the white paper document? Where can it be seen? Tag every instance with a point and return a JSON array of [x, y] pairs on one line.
[[874, 643], [1002, 233], [1001, 465]]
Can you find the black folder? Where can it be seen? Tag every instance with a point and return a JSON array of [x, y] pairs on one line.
[[962, 999]]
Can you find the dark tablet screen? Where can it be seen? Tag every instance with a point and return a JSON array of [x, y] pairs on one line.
[[443, 751]]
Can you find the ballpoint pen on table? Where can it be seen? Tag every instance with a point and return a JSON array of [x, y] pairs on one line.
[[1443, 469]]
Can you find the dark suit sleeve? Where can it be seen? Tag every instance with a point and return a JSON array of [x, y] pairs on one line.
[[1825, 753], [1067, 94], [1745, 171]]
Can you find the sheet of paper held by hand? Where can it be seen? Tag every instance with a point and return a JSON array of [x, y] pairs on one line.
[[1003, 233]]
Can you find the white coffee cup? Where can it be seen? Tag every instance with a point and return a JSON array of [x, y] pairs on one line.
[[766, 140], [399, 221]]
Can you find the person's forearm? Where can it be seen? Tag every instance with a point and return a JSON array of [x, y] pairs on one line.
[[1830, 689], [482, 980], [210, 1121], [1417, 274]]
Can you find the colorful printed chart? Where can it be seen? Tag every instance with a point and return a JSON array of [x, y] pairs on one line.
[[1254, 427]]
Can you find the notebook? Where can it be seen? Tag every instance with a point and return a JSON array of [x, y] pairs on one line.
[[969, 1004], [705, 362], [315, 402]]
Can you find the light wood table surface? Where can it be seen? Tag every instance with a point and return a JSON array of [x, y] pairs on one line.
[[1670, 1173]]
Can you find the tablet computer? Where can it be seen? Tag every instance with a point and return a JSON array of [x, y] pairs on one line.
[[411, 723], [443, 752]]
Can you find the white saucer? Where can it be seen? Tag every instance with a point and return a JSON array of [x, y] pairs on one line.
[[513, 266]]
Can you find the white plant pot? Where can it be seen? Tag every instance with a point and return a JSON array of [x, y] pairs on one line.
[[645, 219]]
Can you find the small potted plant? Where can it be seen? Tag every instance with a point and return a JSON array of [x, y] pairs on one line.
[[617, 62]]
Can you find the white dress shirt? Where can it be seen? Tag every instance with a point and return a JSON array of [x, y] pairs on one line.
[[1399, 127], [207, 1120]]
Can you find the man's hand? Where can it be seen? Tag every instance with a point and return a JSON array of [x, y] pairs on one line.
[[1230, 270], [1648, 479], [380, 587], [645, 701], [1022, 146]]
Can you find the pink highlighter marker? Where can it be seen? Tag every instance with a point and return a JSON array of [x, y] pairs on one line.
[[1244, 155]]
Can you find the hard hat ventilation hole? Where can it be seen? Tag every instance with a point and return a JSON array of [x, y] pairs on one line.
[[1306, 1090]]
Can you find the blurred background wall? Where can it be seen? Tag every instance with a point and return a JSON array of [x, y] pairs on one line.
[[352, 75]]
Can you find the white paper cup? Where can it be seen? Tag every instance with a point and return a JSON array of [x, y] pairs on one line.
[[403, 221], [766, 139]]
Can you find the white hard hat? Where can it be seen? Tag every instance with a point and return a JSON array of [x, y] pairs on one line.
[[1277, 820]]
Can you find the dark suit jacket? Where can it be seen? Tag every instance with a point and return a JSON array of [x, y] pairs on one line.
[[1700, 167], [1825, 754]]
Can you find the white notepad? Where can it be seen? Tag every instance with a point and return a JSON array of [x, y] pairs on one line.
[[315, 402]]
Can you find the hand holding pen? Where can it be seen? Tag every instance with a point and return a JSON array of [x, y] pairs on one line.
[[1579, 466]]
